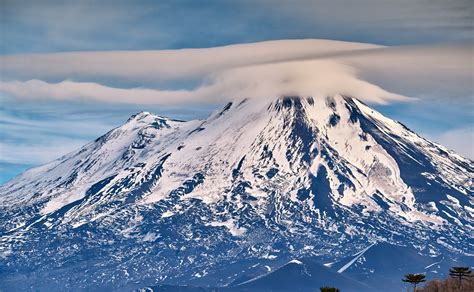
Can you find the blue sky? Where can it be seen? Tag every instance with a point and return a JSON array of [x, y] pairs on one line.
[[35, 131]]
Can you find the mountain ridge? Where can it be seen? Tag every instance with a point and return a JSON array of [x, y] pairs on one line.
[[267, 180]]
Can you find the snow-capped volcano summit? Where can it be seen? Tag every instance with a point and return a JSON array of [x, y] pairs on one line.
[[240, 194]]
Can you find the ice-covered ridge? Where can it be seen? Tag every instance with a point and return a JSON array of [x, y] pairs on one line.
[[323, 133]]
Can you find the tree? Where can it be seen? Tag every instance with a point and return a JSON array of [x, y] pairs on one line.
[[414, 279], [449, 284], [329, 289], [460, 273]]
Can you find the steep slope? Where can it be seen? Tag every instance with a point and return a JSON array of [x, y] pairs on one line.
[[258, 182]]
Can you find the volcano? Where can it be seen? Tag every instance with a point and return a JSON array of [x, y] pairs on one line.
[[264, 192]]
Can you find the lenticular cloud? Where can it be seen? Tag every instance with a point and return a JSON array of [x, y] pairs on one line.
[[259, 70], [302, 78]]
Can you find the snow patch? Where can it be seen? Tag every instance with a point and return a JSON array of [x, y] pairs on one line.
[[150, 236], [356, 257], [230, 225]]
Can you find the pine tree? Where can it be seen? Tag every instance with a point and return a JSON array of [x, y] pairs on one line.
[[460, 273], [414, 279], [329, 289]]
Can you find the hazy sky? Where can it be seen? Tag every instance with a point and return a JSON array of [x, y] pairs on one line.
[[40, 118]]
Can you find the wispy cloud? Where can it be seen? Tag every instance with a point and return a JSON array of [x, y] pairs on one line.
[[34, 154], [37, 132], [380, 21], [37, 138], [55, 25], [461, 140]]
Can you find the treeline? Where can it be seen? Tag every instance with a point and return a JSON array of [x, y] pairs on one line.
[[459, 280], [448, 285]]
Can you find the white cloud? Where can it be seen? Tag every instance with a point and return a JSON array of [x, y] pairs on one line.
[[65, 90], [167, 64], [303, 78], [305, 67], [436, 71]]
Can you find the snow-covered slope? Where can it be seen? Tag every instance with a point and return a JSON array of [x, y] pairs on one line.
[[258, 182]]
